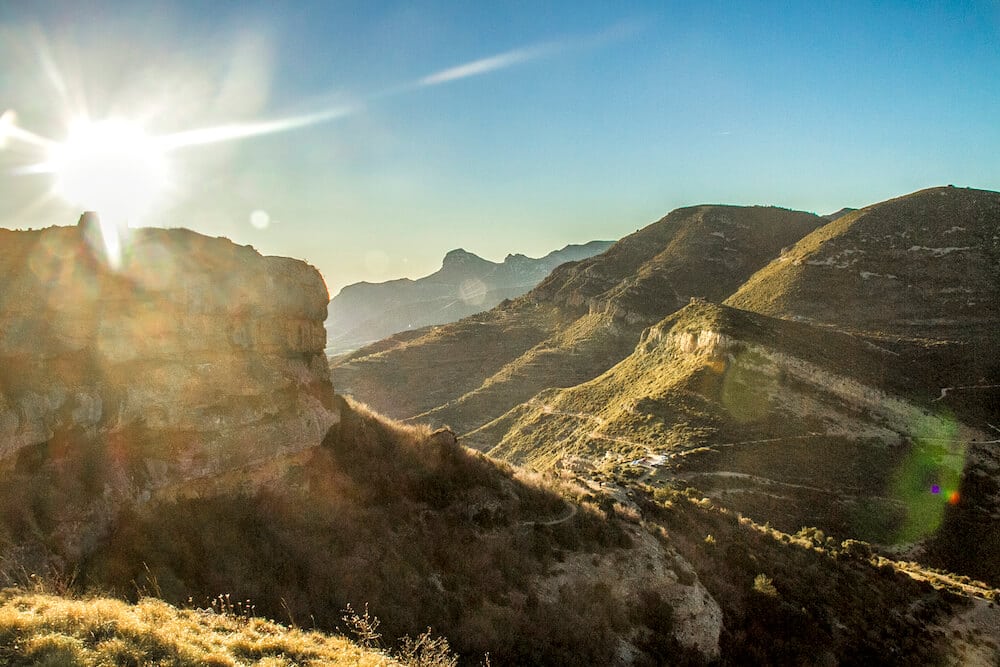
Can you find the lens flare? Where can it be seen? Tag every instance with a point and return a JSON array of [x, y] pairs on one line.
[[935, 461]]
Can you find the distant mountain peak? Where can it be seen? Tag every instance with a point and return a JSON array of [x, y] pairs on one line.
[[465, 284], [460, 256]]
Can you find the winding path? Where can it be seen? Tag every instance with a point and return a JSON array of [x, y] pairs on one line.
[[573, 509], [945, 390]]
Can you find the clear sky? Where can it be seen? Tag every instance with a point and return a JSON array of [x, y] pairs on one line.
[[502, 127]]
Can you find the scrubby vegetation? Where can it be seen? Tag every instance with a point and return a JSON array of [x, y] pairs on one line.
[[424, 531], [43, 629], [806, 599]]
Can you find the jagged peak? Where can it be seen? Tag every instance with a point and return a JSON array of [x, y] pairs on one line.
[[460, 256]]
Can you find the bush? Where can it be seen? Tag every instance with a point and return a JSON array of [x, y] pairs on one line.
[[764, 585]]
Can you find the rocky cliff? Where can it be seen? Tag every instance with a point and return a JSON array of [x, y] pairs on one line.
[[193, 357]]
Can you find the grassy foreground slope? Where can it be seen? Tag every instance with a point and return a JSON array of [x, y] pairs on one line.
[[39, 628], [581, 320]]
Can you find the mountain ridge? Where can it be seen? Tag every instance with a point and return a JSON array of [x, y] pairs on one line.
[[465, 284], [865, 386], [598, 560], [577, 323]]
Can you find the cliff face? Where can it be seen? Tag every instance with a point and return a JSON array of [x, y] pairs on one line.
[[195, 357]]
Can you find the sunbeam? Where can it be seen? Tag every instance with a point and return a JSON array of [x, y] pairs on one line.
[[235, 131]]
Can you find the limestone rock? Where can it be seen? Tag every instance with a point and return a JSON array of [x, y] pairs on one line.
[[193, 357]]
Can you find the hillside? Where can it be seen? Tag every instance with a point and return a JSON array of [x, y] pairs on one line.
[[198, 491], [785, 422], [847, 414], [576, 324], [807, 598], [465, 284], [919, 274], [39, 628], [424, 532], [168, 427], [927, 263]]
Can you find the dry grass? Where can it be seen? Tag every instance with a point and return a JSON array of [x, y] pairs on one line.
[[44, 629]]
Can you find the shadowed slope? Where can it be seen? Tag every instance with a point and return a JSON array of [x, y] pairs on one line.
[[919, 275], [424, 531]]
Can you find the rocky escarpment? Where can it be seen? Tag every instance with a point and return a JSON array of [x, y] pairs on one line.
[[194, 357]]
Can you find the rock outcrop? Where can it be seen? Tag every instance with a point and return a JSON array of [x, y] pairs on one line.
[[193, 357]]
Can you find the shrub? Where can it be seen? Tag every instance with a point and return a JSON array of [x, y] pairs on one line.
[[764, 585]]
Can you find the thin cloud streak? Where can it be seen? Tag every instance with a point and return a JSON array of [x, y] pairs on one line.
[[237, 131], [490, 64], [527, 53]]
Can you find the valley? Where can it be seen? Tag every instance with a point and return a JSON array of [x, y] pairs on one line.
[[653, 457]]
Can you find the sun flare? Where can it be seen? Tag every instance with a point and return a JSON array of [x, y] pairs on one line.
[[111, 167]]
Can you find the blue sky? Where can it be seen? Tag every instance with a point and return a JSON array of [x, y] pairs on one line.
[[601, 118]]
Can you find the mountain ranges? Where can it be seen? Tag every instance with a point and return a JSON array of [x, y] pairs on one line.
[[465, 284], [691, 460], [836, 372]]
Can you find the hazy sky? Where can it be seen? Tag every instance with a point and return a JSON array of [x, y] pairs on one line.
[[505, 127]]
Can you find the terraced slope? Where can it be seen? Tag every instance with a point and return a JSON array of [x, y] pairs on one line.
[[924, 263], [580, 321], [919, 274], [786, 422]]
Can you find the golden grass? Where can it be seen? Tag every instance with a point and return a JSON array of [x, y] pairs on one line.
[[44, 629]]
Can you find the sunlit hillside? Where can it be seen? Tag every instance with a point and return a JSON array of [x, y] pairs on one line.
[[39, 628]]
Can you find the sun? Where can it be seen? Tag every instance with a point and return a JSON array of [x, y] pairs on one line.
[[109, 166]]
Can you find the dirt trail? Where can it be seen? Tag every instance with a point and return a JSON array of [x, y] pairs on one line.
[[573, 509], [946, 390]]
